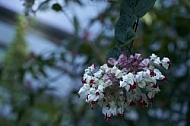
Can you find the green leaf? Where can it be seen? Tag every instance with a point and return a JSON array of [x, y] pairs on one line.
[[56, 7], [130, 36], [137, 7], [131, 10], [128, 6], [115, 52], [143, 7], [124, 32]]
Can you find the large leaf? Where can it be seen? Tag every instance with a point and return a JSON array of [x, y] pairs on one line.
[[131, 10], [137, 7], [124, 32], [143, 6], [124, 25]]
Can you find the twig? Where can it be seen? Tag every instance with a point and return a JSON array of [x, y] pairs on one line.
[[135, 29]]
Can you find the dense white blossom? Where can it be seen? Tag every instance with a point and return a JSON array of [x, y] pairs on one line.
[[123, 83]]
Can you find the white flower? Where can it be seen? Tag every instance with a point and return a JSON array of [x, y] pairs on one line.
[[92, 97], [101, 88], [89, 80], [153, 57], [108, 70], [153, 91], [113, 108], [158, 74], [86, 76], [142, 84], [114, 69], [165, 62], [99, 73], [105, 110], [92, 67], [147, 76], [104, 67], [140, 79], [120, 110], [107, 113], [128, 80], [84, 90], [119, 73], [157, 61]]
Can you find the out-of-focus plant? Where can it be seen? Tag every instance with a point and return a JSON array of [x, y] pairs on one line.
[[11, 78], [16, 55]]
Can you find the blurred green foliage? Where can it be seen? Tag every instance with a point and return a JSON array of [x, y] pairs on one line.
[[164, 31]]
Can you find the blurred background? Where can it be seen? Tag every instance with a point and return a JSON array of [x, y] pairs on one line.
[[45, 45]]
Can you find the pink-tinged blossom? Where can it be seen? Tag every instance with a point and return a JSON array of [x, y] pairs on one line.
[[112, 61], [144, 64], [123, 83], [122, 60], [136, 57]]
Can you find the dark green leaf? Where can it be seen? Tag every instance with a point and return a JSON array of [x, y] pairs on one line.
[[128, 6], [130, 12], [114, 52], [56, 7], [143, 7], [124, 32]]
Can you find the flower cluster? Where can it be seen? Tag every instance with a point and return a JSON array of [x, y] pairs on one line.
[[123, 83]]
